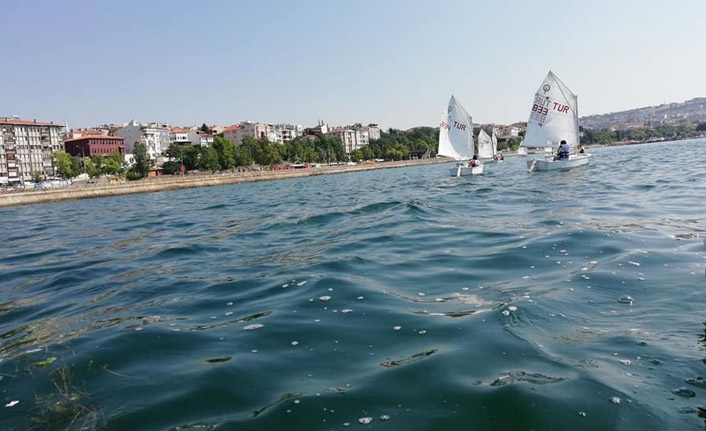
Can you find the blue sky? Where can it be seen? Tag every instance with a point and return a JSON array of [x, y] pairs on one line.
[[390, 62]]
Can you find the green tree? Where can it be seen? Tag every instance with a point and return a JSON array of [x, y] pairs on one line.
[[113, 164], [357, 155], [63, 165], [37, 177], [90, 167], [171, 167], [143, 163], [242, 156], [269, 155], [209, 160], [185, 154], [226, 152]]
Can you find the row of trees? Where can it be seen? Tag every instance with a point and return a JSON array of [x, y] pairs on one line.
[[678, 131], [225, 155], [68, 166]]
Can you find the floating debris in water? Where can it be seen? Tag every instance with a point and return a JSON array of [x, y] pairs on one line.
[[582, 414], [422, 332], [302, 283], [521, 376], [684, 392], [384, 418], [229, 303], [412, 358], [365, 421], [324, 298], [217, 360], [346, 310], [297, 401], [45, 362], [12, 403], [346, 424], [360, 298], [625, 362], [615, 400], [253, 326], [228, 313], [294, 343], [626, 299], [284, 286], [396, 328], [633, 263], [512, 308], [464, 288], [505, 313], [421, 294]]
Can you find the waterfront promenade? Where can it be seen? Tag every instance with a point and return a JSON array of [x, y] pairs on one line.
[[172, 182]]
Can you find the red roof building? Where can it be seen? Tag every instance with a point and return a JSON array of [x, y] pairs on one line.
[[95, 145]]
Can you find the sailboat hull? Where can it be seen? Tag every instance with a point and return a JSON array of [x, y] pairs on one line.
[[549, 164], [463, 170]]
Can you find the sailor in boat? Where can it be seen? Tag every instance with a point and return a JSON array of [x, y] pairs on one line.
[[563, 152], [581, 150], [474, 161], [499, 157]]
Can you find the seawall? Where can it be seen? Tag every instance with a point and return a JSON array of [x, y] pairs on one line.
[[164, 183]]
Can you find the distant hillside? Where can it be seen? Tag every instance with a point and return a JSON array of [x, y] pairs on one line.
[[691, 111]]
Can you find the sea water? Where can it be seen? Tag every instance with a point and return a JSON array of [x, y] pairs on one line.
[[390, 299]]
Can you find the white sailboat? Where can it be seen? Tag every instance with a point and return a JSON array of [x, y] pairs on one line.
[[554, 118], [494, 140], [456, 139], [485, 146]]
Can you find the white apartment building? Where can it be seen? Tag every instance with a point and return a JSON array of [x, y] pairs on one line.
[[289, 131], [26, 147], [373, 131], [279, 133], [190, 137], [351, 138], [155, 136]]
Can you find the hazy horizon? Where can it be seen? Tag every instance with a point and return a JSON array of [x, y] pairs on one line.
[[393, 63]]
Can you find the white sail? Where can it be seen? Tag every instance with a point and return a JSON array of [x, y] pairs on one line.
[[494, 139], [485, 145], [456, 132], [554, 116]]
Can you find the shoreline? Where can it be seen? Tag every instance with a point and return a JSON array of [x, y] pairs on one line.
[[166, 183]]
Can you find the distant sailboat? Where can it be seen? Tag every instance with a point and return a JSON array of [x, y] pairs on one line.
[[456, 139], [485, 146], [554, 118], [494, 140]]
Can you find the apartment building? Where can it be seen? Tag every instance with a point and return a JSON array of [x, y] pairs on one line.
[[190, 137], [26, 147], [279, 133], [155, 136], [352, 138]]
